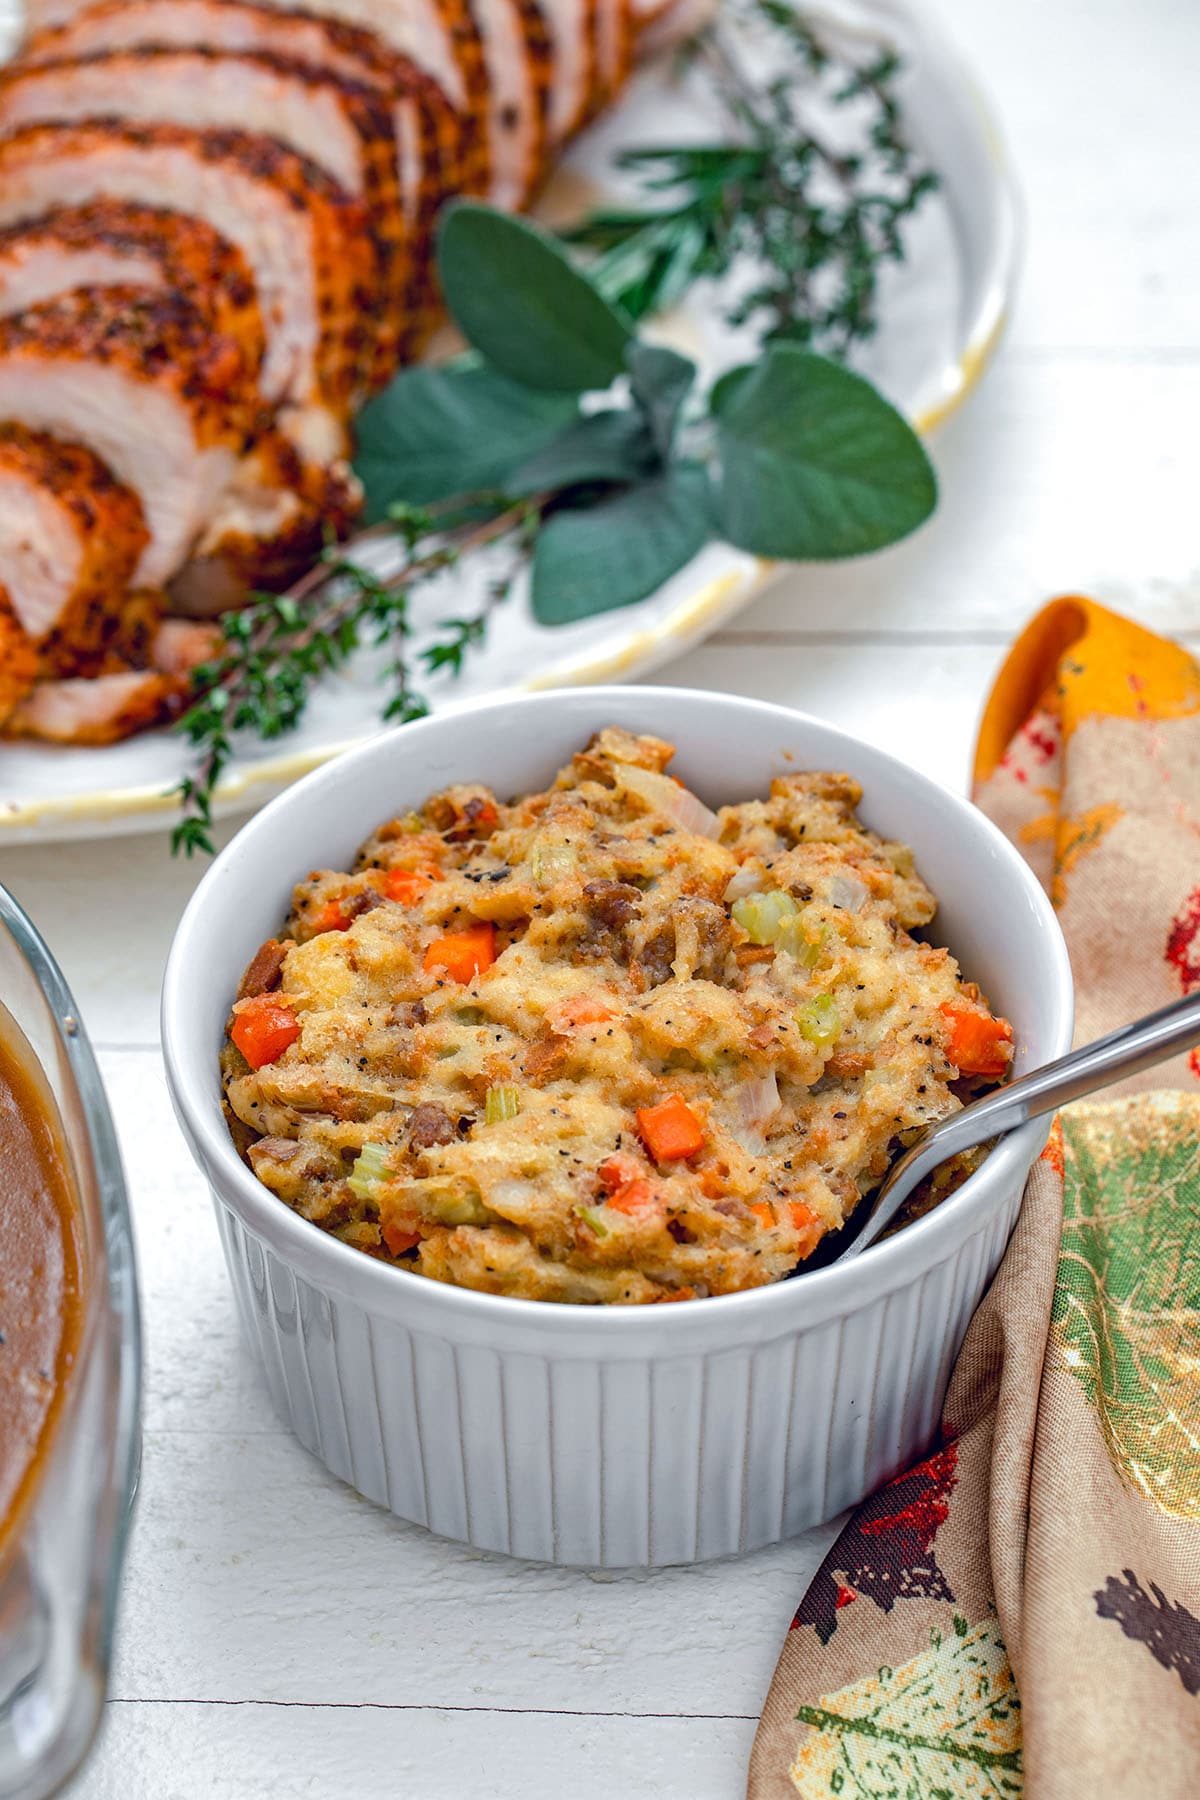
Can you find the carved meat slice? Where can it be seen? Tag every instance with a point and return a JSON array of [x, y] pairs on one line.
[[615, 39], [327, 44], [99, 710], [304, 240], [573, 26], [70, 539], [140, 381], [341, 125], [517, 56], [112, 243]]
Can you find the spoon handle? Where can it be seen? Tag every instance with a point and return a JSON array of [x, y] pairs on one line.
[[1122, 1053]]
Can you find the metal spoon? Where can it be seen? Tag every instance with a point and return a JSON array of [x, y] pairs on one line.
[[1122, 1053]]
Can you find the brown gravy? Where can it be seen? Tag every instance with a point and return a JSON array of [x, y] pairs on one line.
[[41, 1303]]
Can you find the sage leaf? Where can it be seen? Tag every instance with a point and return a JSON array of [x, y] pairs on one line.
[[815, 463], [460, 429], [611, 446], [517, 298], [592, 559], [661, 381]]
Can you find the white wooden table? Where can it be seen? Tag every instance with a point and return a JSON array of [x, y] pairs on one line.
[[282, 1637]]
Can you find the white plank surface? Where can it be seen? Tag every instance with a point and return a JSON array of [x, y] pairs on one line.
[[281, 1637]]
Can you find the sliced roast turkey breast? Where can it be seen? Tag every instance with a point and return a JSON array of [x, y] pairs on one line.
[[573, 26], [99, 710], [71, 537], [139, 380], [517, 56], [304, 239], [341, 125], [112, 243], [615, 40], [327, 44]]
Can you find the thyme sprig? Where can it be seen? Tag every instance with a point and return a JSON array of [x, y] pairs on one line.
[[280, 645], [816, 218]]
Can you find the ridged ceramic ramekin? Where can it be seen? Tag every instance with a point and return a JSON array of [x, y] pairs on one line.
[[628, 1435]]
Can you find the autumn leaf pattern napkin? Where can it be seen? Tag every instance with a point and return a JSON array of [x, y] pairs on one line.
[[1020, 1614]]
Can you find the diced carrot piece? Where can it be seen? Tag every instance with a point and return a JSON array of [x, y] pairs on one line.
[[579, 1009], [399, 1241], [809, 1224], [711, 1184], [410, 885], [463, 954], [683, 1293], [671, 1131], [330, 918], [978, 1044], [634, 1197], [619, 1169], [763, 1212], [262, 1029]]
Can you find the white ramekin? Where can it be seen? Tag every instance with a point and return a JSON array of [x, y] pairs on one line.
[[630, 1435]]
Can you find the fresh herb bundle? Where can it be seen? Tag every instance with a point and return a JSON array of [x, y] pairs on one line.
[[809, 186], [586, 456]]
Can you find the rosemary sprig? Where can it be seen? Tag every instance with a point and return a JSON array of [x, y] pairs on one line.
[[280, 645], [815, 221]]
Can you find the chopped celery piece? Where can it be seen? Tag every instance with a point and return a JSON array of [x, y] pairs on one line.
[[501, 1103], [798, 940], [370, 1168], [819, 1021], [593, 1216], [761, 915], [468, 1015], [459, 1209]]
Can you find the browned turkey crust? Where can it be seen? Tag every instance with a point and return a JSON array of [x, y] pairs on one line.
[[140, 380], [18, 661], [305, 240], [70, 539], [116, 243]]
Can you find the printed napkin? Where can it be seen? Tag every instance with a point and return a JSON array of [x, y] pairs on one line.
[[1021, 1612]]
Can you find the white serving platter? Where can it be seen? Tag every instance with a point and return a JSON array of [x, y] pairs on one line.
[[942, 313]]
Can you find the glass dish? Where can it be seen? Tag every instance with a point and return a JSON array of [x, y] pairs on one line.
[[61, 1558]]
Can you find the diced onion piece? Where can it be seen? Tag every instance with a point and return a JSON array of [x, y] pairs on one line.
[[667, 797], [501, 1103], [549, 863], [744, 882], [820, 1021], [761, 915], [758, 1101], [370, 1168], [850, 895]]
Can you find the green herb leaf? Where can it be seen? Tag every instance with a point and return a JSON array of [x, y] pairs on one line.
[[661, 381], [815, 463], [592, 559], [607, 446], [460, 429], [515, 295]]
